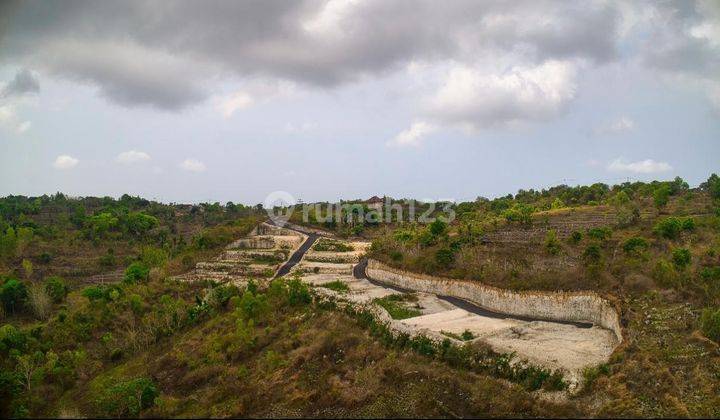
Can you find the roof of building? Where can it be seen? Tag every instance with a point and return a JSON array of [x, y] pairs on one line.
[[375, 199]]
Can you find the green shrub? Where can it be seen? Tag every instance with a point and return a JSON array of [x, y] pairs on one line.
[[688, 224], [635, 245], [438, 228], [13, 294], [393, 304], [669, 227], [153, 257], [710, 323], [127, 398], [252, 306], [444, 257], [661, 195], [552, 244], [599, 233], [592, 254], [575, 237], [56, 288], [93, 293], [136, 272], [298, 293], [681, 257]]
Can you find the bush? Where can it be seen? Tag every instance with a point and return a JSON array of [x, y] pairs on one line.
[[444, 257], [671, 227], [438, 228], [665, 274], [599, 233], [56, 288], [552, 244], [298, 293], [635, 245], [13, 295], [136, 272], [592, 254], [128, 398], [681, 258], [661, 195], [575, 237], [710, 323], [93, 293]]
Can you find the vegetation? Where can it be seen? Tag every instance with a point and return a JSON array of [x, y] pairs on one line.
[[93, 323], [396, 306], [337, 286]]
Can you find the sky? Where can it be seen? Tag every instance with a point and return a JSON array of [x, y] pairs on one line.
[[189, 101]]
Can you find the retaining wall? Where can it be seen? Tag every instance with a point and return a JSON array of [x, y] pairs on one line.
[[551, 306]]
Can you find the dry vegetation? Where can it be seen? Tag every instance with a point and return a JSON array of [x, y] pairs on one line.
[[147, 346]]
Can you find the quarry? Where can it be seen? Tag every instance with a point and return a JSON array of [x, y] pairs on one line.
[[567, 332]]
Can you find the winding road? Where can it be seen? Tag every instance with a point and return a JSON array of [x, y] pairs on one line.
[[359, 272]]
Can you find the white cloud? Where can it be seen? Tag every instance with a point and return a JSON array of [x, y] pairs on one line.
[[10, 120], [234, 102], [192, 165], [621, 125], [413, 135], [477, 100], [132, 156], [647, 166], [65, 162], [253, 93]]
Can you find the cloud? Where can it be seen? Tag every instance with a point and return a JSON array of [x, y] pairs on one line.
[[192, 165], [647, 166], [478, 100], [132, 156], [65, 162], [253, 92], [684, 42], [413, 135], [24, 83], [172, 54], [9, 120], [234, 102], [621, 125]]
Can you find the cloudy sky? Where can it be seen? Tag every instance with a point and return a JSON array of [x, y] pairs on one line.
[[223, 100]]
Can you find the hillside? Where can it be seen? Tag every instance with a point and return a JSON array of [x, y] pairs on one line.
[[221, 340]]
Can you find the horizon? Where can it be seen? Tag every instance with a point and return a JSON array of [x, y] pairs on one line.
[[329, 100]]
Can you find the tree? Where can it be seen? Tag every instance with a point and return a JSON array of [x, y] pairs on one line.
[[661, 196], [140, 223], [56, 288], [13, 294], [712, 186], [39, 301], [136, 272]]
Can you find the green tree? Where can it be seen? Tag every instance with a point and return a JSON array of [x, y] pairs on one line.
[[13, 295], [136, 272], [661, 195], [140, 223], [56, 288]]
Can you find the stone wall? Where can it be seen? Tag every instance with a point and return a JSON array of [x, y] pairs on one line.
[[551, 306]]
